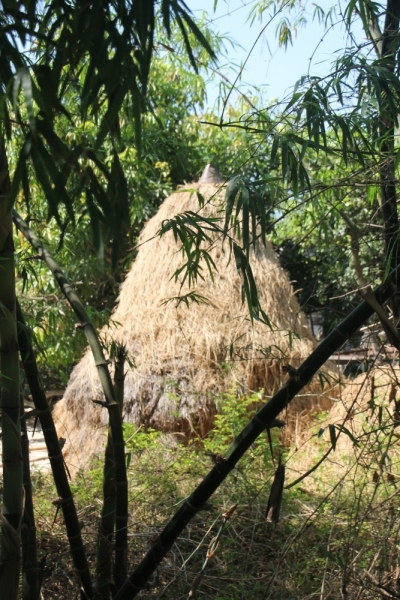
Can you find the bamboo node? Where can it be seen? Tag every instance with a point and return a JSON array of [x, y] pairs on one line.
[[191, 505], [79, 326], [100, 363], [101, 402], [55, 457], [293, 374]]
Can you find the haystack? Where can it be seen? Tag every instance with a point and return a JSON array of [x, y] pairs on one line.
[[186, 358]]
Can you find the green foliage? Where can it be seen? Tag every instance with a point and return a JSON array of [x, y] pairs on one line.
[[234, 412], [76, 123], [173, 153], [325, 153]]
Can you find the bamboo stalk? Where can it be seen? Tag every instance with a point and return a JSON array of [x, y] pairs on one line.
[[297, 380], [212, 548], [108, 521], [30, 570], [55, 457], [121, 529], [104, 375], [10, 555], [386, 47], [12, 459]]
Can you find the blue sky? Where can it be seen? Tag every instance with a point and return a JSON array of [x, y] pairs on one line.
[[272, 69]]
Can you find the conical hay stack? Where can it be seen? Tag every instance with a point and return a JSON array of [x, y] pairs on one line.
[[183, 355]]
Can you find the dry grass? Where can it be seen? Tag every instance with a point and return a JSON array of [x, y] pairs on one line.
[[359, 405], [184, 356]]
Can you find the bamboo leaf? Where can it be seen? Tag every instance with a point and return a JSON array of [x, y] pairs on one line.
[[231, 193], [332, 434], [19, 175], [274, 150], [95, 218], [296, 96], [58, 148], [347, 432], [186, 42], [335, 558], [26, 83], [198, 34], [111, 116], [136, 105], [15, 91], [165, 6], [245, 219], [49, 191], [284, 157]]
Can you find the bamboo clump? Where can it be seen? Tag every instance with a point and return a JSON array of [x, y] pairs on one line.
[[113, 408], [65, 499]]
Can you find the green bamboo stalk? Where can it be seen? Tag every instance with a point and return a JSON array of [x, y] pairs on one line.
[[298, 379], [30, 570], [104, 375], [108, 521], [55, 456], [10, 555]]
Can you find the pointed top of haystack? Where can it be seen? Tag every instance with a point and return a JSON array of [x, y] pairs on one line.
[[211, 175]]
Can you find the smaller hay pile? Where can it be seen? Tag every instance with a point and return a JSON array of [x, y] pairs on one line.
[[187, 357], [366, 417], [368, 403]]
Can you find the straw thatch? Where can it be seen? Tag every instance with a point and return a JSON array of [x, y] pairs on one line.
[[186, 357]]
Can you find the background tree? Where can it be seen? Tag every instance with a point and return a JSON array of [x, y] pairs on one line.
[[331, 143]]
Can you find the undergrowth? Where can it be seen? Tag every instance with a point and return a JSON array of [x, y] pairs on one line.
[[338, 534]]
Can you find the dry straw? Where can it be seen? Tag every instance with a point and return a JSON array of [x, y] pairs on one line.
[[366, 417], [370, 402], [187, 357]]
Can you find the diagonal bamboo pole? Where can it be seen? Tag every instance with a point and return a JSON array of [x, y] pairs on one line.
[[298, 379], [55, 455], [121, 510]]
